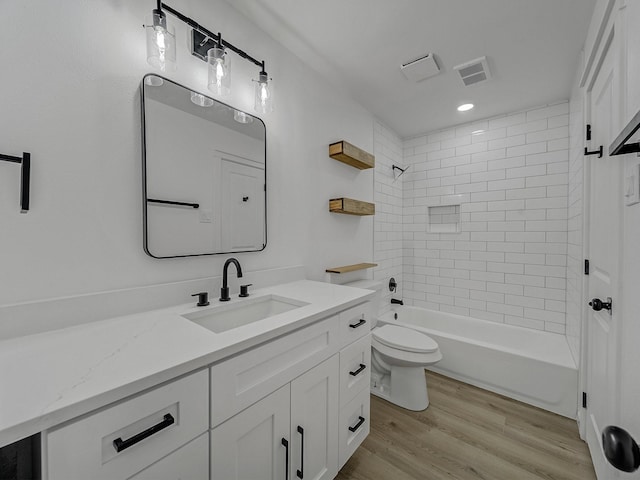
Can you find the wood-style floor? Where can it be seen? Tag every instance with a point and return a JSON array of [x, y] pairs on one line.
[[468, 433]]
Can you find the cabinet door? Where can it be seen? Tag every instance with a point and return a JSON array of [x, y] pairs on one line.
[[314, 422], [190, 462], [249, 446]]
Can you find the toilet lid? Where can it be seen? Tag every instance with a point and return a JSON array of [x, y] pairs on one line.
[[405, 339]]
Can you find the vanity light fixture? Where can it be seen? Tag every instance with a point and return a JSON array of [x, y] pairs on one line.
[[161, 41], [201, 100], [207, 46], [465, 107], [153, 81], [242, 117], [263, 93], [219, 69]]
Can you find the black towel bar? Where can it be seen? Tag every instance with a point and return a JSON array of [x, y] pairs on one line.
[[25, 174]]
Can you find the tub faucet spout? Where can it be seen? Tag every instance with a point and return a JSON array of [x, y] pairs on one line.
[[396, 302]]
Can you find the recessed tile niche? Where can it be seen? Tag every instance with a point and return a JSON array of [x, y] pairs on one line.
[[444, 219]]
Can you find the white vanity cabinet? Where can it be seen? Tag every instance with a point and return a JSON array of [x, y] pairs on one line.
[[290, 408], [313, 423], [289, 434]]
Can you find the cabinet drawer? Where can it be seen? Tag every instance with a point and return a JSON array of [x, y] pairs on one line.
[[354, 425], [355, 369], [355, 323], [149, 426], [243, 380], [190, 462]]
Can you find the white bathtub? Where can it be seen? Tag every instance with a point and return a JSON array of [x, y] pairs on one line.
[[531, 366]]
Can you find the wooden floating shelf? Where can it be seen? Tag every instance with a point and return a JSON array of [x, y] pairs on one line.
[[351, 268], [351, 155], [350, 206]]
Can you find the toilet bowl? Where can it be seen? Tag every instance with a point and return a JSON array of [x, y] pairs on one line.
[[399, 356]]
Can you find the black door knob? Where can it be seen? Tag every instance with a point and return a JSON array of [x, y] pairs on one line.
[[620, 449], [598, 304]]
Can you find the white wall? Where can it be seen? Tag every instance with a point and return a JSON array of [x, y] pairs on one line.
[[70, 96], [388, 219], [508, 262]]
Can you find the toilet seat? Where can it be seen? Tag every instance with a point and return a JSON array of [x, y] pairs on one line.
[[404, 339]]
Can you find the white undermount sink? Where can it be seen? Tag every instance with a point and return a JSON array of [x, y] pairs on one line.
[[227, 317]]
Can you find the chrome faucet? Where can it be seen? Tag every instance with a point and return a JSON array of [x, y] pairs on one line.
[[224, 291], [397, 302]]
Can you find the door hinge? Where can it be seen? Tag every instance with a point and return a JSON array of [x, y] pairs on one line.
[[586, 266], [588, 132], [584, 399]]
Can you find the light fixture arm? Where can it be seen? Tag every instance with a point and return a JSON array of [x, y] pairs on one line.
[[217, 38]]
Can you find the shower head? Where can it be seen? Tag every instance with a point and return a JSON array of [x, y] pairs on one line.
[[400, 169]]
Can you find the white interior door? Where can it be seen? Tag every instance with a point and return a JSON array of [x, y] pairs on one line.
[[242, 206], [604, 247]]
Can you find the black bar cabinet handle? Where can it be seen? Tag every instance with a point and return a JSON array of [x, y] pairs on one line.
[[121, 445], [357, 425], [356, 372], [285, 444], [300, 472], [360, 323], [172, 202]]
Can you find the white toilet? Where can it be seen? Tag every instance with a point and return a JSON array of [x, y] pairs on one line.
[[399, 356]]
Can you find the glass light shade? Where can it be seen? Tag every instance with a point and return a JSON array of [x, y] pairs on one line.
[[219, 71], [161, 43], [153, 81], [201, 100], [242, 117], [465, 107], [263, 95]]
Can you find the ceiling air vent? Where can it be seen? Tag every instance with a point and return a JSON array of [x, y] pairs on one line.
[[474, 72], [421, 68]]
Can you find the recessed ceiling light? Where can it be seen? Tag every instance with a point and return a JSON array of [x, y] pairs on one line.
[[464, 107]]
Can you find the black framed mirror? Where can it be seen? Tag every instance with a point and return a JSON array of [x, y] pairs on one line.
[[204, 174]]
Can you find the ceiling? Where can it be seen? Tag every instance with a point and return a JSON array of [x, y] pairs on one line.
[[532, 46]]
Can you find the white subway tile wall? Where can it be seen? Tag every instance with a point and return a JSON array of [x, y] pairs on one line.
[[388, 219], [575, 258], [510, 176]]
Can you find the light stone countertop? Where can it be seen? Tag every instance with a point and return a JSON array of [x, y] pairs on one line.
[[52, 377]]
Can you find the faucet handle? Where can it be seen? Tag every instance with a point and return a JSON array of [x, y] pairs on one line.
[[244, 290], [203, 299]]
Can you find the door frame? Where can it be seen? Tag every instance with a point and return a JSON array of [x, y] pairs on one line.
[[609, 30]]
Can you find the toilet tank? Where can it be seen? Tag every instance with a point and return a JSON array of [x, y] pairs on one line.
[[375, 285]]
